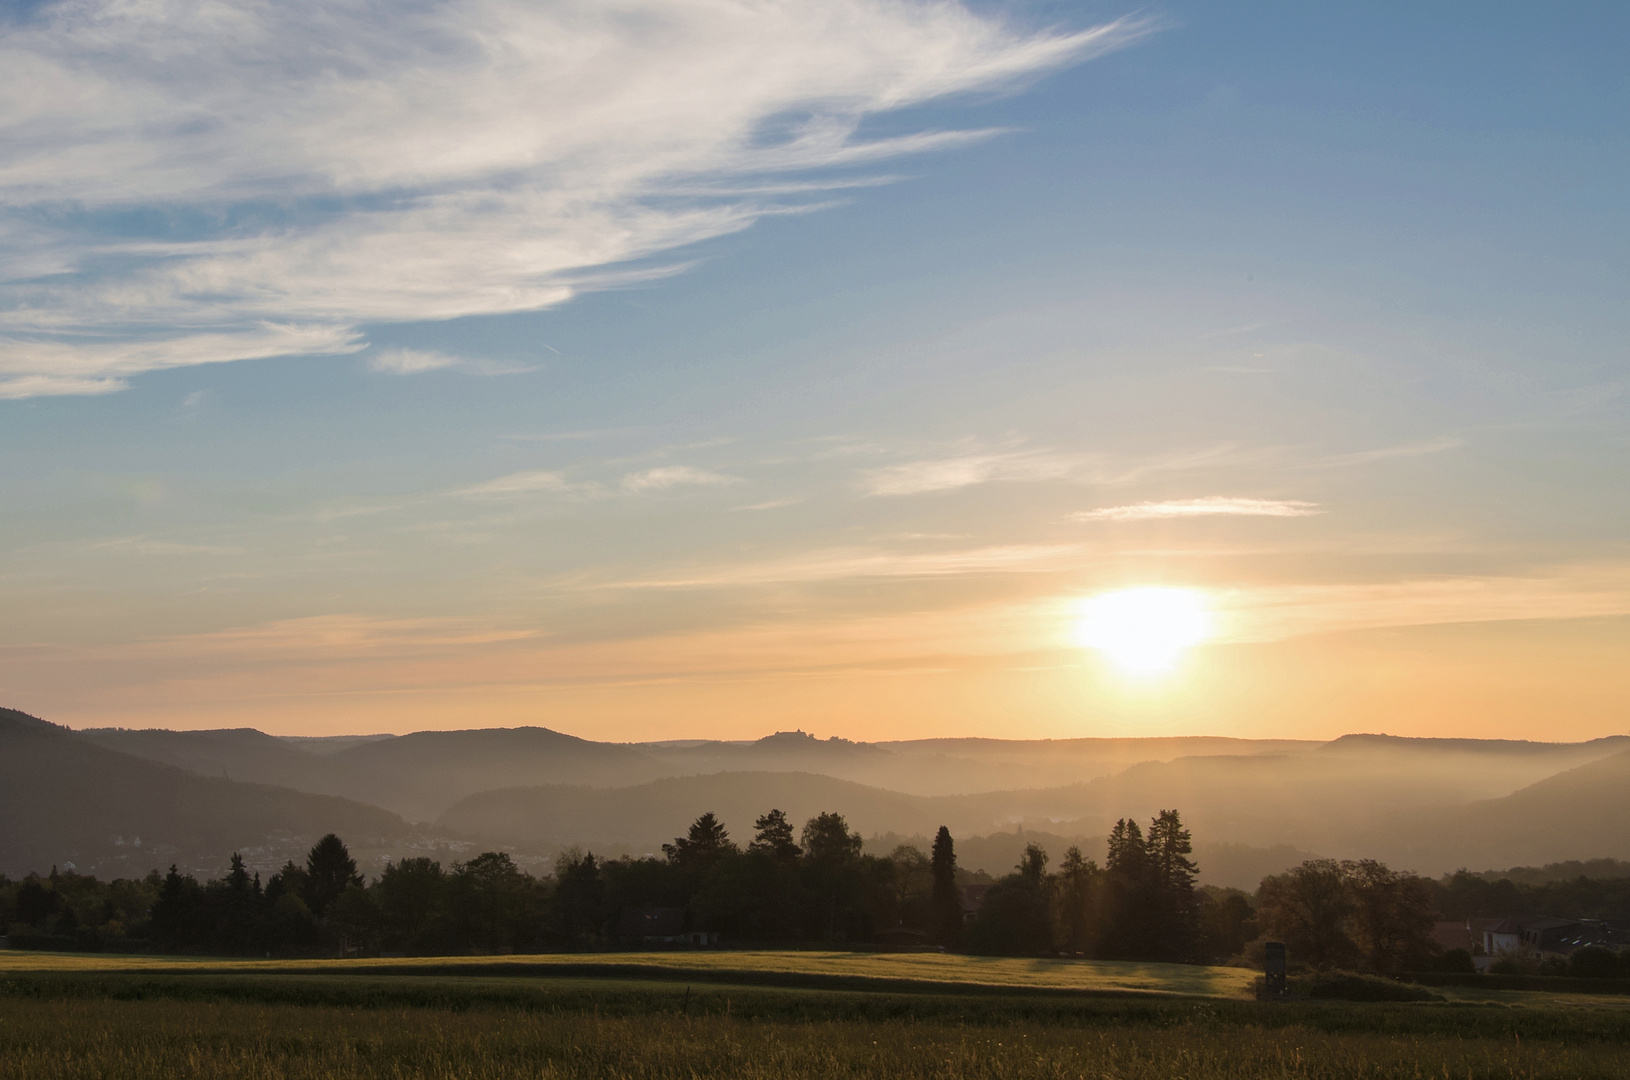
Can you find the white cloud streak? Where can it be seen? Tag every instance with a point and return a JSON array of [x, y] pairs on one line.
[[950, 473], [1367, 457], [839, 564], [544, 481], [313, 167], [1211, 505], [27, 386], [520, 483], [410, 361], [668, 476], [418, 361]]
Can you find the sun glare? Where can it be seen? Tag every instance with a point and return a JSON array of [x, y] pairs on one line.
[[1144, 630]]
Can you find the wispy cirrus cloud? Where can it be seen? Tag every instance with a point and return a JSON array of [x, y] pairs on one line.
[[1209, 506], [853, 563], [1384, 453], [27, 386], [410, 361], [966, 470], [771, 504], [529, 482], [549, 481], [669, 476], [190, 185], [418, 361]]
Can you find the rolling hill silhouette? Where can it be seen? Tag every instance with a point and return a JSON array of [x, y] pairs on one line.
[[65, 798], [1423, 804], [1583, 813]]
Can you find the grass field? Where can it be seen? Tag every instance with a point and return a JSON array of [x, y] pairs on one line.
[[859, 969], [115, 1017]]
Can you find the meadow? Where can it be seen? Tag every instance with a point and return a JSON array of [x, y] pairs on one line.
[[812, 968], [116, 1017]]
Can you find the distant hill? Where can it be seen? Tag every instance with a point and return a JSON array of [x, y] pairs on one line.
[[1583, 813], [1423, 804], [64, 798], [959, 766], [323, 745], [417, 776], [1348, 798], [645, 816], [421, 775], [233, 753], [1567, 870]]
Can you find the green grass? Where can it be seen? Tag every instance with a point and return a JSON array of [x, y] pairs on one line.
[[831, 968], [116, 1017]]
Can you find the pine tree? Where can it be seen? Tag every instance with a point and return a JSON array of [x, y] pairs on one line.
[[1078, 880], [237, 878], [1128, 856], [330, 870], [706, 842], [1132, 928], [947, 898], [1173, 875], [774, 836]]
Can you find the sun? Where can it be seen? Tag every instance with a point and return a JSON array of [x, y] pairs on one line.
[[1144, 630]]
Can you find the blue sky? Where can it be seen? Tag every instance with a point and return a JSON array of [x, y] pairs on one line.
[[833, 431]]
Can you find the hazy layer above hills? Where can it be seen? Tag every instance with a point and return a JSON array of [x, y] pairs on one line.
[[952, 766], [421, 775], [1424, 804], [1583, 813]]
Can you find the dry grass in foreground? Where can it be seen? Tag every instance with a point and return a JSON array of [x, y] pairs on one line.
[[154, 1038], [1050, 974]]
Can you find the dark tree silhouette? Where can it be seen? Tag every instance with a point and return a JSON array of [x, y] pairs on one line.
[[1132, 921], [36, 903], [828, 841], [703, 846], [831, 857], [1033, 865], [330, 870], [1172, 876], [176, 914], [1015, 919], [774, 836], [947, 897], [493, 902], [1308, 908], [1128, 857], [412, 898], [1226, 923], [1076, 902], [577, 908], [1392, 916]]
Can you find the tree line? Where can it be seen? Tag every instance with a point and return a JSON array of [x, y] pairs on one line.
[[783, 886]]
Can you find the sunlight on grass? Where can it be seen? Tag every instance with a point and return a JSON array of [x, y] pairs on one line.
[[1100, 975]]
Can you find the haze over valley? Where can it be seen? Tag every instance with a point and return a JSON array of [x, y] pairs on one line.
[[1255, 806]]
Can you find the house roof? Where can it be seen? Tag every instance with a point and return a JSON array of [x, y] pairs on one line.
[[1456, 934]]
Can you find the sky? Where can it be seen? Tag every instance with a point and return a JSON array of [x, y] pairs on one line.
[[663, 369]]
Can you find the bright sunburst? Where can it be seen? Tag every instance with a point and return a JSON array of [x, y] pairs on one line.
[[1143, 630]]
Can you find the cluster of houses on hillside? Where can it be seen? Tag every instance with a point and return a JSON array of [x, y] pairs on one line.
[[1537, 938]]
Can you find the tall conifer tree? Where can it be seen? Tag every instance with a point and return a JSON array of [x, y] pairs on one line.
[[947, 898]]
